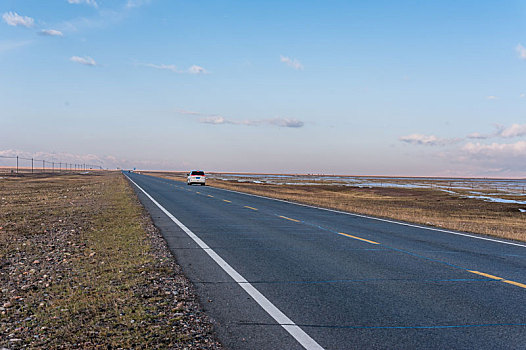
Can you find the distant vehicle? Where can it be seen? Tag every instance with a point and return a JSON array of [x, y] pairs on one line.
[[196, 177]]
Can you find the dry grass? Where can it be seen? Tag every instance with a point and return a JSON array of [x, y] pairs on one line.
[[79, 268], [422, 206]]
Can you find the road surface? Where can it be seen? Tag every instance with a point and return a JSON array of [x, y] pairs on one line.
[[277, 275]]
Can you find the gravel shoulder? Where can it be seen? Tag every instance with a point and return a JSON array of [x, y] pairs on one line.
[[83, 266]]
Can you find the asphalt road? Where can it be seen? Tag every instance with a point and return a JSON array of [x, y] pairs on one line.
[[342, 281]]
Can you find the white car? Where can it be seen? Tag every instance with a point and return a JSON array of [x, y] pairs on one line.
[[196, 177]]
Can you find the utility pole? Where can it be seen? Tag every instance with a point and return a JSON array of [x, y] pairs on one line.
[[31, 165], [17, 164]]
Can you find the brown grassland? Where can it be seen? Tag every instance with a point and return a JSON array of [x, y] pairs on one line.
[[82, 266], [422, 206]]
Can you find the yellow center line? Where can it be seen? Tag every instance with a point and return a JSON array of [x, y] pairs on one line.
[[522, 285], [224, 200], [284, 217], [486, 275], [515, 283], [358, 238], [246, 206]]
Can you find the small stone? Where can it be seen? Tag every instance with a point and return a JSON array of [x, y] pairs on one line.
[[8, 304], [36, 262]]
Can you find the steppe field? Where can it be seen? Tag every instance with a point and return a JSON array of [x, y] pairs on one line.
[[82, 266]]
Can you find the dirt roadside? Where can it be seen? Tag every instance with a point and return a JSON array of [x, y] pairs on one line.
[[82, 266]]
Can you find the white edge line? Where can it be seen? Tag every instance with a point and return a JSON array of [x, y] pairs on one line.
[[378, 219], [303, 338]]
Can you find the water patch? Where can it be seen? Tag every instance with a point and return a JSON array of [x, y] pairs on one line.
[[491, 190], [496, 200]]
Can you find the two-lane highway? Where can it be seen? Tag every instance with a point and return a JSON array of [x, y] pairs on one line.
[[277, 275]]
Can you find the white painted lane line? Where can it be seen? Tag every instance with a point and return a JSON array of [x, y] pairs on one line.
[[379, 219], [303, 338]]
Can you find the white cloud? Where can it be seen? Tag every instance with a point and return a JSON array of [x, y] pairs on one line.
[[51, 32], [286, 122], [87, 61], [172, 68], [514, 131], [218, 120], [196, 70], [497, 150], [291, 62], [492, 97], [14, 19], [426, 140], [522, 51], [87, 2], [281, 122], [494, 159], [478, 158], [169, 67], [215, 120]]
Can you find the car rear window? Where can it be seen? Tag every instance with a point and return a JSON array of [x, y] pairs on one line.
[[199, 173]]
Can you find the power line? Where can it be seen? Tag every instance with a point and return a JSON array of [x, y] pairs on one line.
[[62, 166]]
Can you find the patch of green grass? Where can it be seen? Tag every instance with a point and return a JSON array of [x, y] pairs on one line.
[[104, 298]]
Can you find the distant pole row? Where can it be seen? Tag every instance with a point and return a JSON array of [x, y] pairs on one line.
[[51, 165]]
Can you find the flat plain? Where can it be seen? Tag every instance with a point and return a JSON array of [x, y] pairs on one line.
[[82, 266]]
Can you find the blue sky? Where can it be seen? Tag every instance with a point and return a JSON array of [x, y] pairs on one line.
[[349, 87]]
